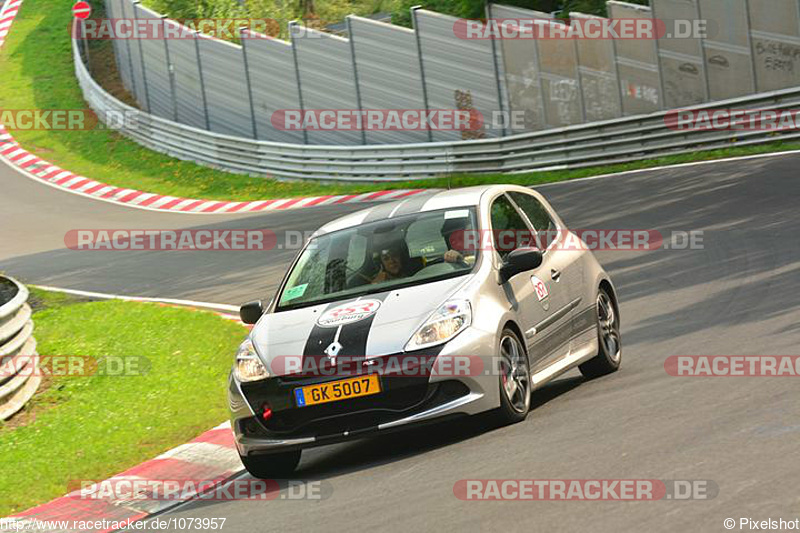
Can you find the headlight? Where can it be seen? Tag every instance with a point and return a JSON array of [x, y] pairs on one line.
[[448, 321], [248, 366]]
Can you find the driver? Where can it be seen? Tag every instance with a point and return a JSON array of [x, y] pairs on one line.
[[394, 262], [453, 232]]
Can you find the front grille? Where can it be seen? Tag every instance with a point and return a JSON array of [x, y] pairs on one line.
[[399, 397], [358, 414]]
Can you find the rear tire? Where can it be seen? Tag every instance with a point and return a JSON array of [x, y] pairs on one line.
[[609, 355], [514, 380], [272, 466]]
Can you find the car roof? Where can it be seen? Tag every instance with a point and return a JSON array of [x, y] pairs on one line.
[[418, 203]]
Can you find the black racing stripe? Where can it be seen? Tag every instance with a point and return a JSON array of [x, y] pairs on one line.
[[319, 339], [353, 337]]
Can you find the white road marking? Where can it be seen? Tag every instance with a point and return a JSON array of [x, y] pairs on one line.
[[106, 296]]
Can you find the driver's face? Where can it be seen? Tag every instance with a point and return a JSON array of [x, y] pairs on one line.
[[391, 262]]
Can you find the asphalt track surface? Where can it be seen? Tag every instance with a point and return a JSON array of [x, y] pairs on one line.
[[736, 296]]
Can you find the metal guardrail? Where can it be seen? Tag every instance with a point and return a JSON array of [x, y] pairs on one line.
[[19, 377], [601, 143]]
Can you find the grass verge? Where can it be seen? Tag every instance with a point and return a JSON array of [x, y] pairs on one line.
[[36, 63], [95, 426]]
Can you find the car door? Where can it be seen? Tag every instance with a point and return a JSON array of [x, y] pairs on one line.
[[560, 272], [534, 296]]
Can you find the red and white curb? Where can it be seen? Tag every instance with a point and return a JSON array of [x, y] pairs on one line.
[[34, 167], [7, 14], [211, 457]]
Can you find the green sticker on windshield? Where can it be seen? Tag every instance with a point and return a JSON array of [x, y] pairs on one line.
[[294, 292]]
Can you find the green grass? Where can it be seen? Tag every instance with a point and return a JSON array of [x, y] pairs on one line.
[[36, 63], [94, 427]]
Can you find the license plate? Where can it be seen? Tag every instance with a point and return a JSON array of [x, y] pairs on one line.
[[337, 390]]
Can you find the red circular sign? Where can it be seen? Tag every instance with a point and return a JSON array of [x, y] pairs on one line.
[[82, 10]]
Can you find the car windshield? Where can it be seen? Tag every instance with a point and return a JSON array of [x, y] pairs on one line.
[[377, 256]]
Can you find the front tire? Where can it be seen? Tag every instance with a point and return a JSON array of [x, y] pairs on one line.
[[609, 355], [272, 466], [515, 380]]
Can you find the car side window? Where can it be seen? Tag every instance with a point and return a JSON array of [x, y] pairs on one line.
[[543, 224], [510, 231], [534, 210]]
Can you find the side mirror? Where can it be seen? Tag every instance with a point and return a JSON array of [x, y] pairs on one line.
[[251, 312], [520, 260]]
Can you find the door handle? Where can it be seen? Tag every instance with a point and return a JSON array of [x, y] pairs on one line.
[[555, 274]]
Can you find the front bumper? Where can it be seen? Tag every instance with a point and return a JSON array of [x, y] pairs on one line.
[[403, 401]]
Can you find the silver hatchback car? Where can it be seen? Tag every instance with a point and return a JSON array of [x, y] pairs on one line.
[[447, 304]]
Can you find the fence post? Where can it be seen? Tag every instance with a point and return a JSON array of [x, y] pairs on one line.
[[749, 32], [415, 25], [662, 99], [355, 77], [243, 39], [200, 78], [134, 84], [292, 26], [85, 44], [170, 69], [704, 63], [578, 78], [137, 36], [488, 9]]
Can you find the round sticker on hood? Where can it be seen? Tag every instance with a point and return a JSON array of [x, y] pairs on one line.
[[348, 313]]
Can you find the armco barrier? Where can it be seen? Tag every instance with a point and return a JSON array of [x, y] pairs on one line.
[[599, 143], [19, 377], [688, 52]]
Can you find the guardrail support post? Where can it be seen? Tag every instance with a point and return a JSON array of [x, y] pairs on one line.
[[488, 10], [137, 36], [134, 83], [749, 31], [85, 43], [243, 39], [170, 69], [292, 26], [355, 77], [200, 77], [415, 25]]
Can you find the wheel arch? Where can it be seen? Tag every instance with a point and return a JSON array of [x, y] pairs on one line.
[[513, 326], [606, 285]]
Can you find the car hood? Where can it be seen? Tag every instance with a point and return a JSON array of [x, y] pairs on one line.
[[371, 325]]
